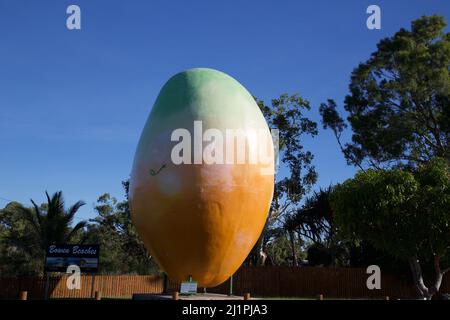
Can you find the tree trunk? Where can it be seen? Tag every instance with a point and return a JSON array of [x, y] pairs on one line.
[[439, 274], [416, 271], [294, 252], [332, 246], [424, 291], [262, 256]]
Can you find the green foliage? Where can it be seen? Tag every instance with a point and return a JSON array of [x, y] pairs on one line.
[[313, 220], [52, 225], [286, 114], [279, 250], [18, 255], [402, 213], [319, 255], [28, 231], [399, 101], [25, 233], [362, 254]]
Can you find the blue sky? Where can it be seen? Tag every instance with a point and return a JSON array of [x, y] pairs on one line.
[[73, 103]]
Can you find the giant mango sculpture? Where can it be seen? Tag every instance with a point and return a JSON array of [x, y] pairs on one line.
[[197, 202]]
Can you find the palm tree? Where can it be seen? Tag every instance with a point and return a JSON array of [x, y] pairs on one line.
[[51, 223], [313, 221]]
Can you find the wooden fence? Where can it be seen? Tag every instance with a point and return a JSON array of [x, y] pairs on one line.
[[266, 281]]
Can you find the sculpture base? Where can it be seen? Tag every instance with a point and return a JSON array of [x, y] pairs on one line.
[[198, 296]]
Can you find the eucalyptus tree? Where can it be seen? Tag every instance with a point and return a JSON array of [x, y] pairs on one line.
[[399, 102], [287, 114]]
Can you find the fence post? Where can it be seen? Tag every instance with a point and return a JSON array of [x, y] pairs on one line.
[[98, 295], [165, 283], [230, 292], [47, 280], [93, 286], [23, 295]]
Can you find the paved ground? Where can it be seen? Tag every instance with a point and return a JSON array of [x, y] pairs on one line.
[[198, 296], [210, 296]]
